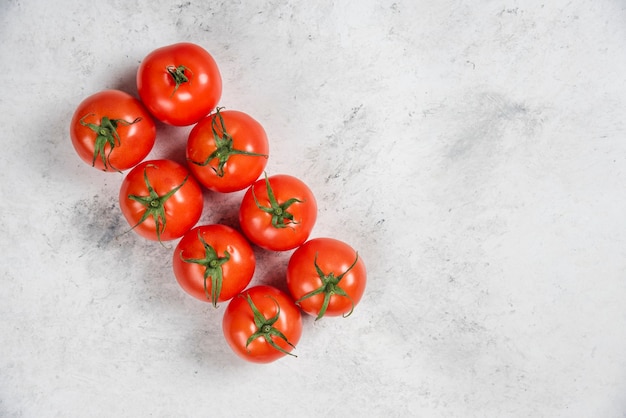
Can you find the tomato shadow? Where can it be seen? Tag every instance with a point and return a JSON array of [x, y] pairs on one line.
[[203, 348], [170, 143], [271, 268], [54, 154], [221, 208], [124, 78]]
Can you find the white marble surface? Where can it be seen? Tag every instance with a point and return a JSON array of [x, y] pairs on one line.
[[473, 151]]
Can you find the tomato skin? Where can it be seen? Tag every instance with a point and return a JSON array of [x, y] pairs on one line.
[[190, 101], [182, 210], [333, 256], [236, 272], [238, 323], [135, 140], [256, 224], [240, 171]]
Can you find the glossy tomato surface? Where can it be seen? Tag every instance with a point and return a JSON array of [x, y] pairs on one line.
[[112, 131], [213, 263], [278, 213], [326, 276], [227, 151], [179, 83], [161, 200], [243, 333]]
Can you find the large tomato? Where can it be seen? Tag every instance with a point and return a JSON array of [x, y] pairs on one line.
[[213, 263], [227, 151], [326, 276], [278, 213], [161, 200], [262, 324], [179, 83], [112, 131]]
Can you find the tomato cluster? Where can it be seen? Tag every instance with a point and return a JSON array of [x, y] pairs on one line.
[[226, 151]]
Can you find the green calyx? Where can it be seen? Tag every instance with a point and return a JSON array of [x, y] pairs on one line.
[[106, 134], [281, 218], [265, 328], [224, 147], [212, 264], [179, 76], [330, 287], [155, 204]]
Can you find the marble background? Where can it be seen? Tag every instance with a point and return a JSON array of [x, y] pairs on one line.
[[473, 152]]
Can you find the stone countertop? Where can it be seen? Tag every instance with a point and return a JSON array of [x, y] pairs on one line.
[[473, 152]]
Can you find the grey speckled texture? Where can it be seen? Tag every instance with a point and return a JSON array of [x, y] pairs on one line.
[[474, 153]]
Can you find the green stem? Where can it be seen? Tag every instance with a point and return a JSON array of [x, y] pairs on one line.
[[179, 76], [265, 328], [224, 148], [330, 287], [106, 134], [281, 218], [212, 264], [155, 204]]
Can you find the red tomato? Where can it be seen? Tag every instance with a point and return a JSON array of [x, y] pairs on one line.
[[213, 263], [179, 83], [161, 200], [227, 151], [326, 276], [278, 213], [262, 324], [112, 131]]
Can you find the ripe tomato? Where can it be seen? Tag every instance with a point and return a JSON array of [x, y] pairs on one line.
[[262, 324], [179, 83], [326, 276], [112, 131], [227, 151], [278, 213], [213, 263], [161, 200]]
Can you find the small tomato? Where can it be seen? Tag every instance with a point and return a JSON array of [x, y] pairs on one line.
[[112, 131], [161, 200], [278, 213], [227, 151], [213, 263], [326, 276], [262, 324], [179, 84]]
